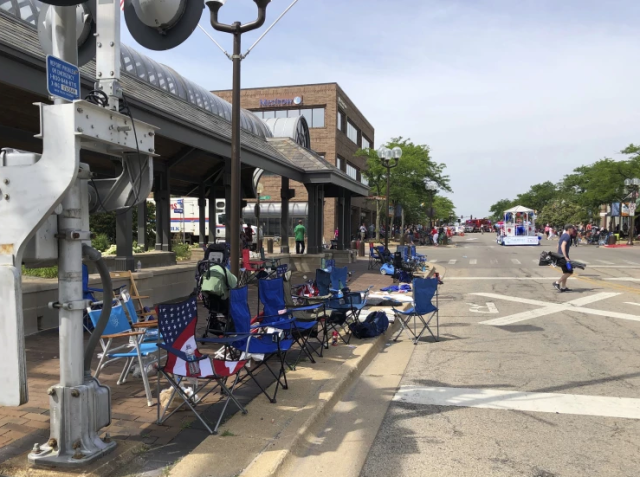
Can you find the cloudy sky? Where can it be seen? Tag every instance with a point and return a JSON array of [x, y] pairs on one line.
[[507, 93]]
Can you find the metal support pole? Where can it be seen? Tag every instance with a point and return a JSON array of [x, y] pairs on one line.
[[142, 225], [124, 240], [69, 251], [202, 202], [212, 215], [284, 215], [386, 214], [234, 221]]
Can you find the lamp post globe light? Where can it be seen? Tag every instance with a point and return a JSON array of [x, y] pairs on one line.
[[431, 188], [389, 159], [236, 29], [632, 186]]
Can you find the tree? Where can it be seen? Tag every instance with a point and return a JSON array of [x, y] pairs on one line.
[[497, 209], [105, 223], [406, 180], [560, 212]]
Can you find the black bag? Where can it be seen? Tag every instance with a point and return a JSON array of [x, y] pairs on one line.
[[545, 259], [374, 324]]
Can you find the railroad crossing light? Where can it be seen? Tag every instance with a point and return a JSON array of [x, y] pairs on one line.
[[85, 28], [162, 24]]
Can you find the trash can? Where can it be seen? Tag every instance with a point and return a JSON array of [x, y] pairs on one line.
[[361, 249], [354, 245], [611, 240], [270, 245]]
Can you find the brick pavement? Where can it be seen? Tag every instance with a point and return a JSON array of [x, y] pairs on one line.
[[132, 419]]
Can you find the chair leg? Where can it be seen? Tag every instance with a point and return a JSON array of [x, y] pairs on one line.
[[187, 401], [145, 378]]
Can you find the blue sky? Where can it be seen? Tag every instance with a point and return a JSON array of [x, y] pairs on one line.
[[507, 93]]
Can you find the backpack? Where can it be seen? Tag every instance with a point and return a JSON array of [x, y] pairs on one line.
[[375, 324]]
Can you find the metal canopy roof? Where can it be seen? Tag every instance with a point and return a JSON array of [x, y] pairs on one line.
[[189, 117]]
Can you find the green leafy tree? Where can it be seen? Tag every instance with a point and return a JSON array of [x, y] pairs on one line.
[[406, 180], [105, 224], [559, 212], [497, 209]]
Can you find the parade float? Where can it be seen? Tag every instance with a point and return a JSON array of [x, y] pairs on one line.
[[518, 227]]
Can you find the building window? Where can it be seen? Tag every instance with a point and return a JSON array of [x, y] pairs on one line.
[[340, 123], [352, 132], [321, 155], [366, 144], [339, 163], [281, 114], [352, 172], [318, 118], [364, 180]]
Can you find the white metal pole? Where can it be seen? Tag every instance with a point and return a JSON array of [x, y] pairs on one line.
[[69, 251]]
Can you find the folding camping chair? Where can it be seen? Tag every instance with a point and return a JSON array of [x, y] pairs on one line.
[[339, 278], [424, 290], [345, 310], [253, 268], [271, 295], [177, 323], [134, 350], [375, 259], [265, 339], [271, 262], [323, 282]]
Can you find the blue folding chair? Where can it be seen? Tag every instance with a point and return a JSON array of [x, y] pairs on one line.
[[134, 350], [323, 282], [345, 310], [281, 270], [339, 278], [271, 295], [88, 294], [265, 339], [417, 256], [329, 264], [424, 291], [150, 327]]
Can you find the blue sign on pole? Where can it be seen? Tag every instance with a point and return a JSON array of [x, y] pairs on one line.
[[63, 79], [179, 211]]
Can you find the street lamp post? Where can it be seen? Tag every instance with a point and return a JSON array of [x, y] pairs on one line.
[[431, 187], [237, 29], [632, 186], [389, 159]]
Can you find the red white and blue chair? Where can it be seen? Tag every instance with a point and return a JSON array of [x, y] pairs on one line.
[[266, 343], [177, 325], [422, 310]]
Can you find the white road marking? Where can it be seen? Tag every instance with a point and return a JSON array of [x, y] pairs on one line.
[[490, 307], [515, 261], [605, 262], [452, 261], [632, 303], [614, 266], [433, 261], [623, 279], [473, 261], [470, 239], [577, 404], [549, 308], [505, 278], [631, 263]]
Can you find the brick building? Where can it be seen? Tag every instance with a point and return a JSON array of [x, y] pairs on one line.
[[337, 129]]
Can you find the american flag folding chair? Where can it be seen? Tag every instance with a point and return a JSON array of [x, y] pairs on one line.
[[422, 310], [266, 342], [185, 363]]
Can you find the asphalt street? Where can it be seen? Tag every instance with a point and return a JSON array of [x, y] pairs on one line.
[[526, 381]]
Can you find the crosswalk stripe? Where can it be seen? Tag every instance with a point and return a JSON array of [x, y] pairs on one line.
[[434, 260], [557, 403], [452, 261], [630, 262], [605, 262], [473, 261], [515, 261]]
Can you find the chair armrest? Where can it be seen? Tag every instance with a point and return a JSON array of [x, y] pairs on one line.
[[90, 289], [123, 335], [180, 354], [145, 324], [305, 307]]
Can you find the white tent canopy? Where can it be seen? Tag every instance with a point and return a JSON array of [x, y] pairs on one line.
[[518, 208]]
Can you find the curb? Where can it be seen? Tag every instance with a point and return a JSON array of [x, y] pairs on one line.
[[263, 466]]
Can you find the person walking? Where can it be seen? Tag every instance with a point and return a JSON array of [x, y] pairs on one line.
[[299, 233], [564, 244], [363, 232], [434, 233]]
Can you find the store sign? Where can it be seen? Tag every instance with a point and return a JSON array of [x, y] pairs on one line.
[[277, 103]]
